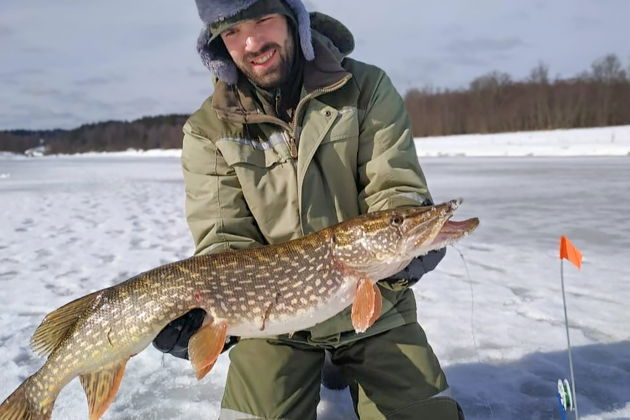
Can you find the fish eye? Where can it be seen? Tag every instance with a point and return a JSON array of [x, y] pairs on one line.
[[397, 220]]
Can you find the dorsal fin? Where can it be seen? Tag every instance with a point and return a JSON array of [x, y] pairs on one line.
[[56, 324], [101, 387]]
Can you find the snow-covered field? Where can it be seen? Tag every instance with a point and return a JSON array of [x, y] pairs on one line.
[[71, 225], [600, 141]]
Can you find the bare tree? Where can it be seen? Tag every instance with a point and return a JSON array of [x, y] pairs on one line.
[[494, 81], [494, 102], [608, 69], [539, 74]]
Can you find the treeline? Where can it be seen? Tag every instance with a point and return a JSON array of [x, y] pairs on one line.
[[496, 103], [160, 132], [492, 103]]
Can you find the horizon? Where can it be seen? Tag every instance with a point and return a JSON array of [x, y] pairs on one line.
[[584, 75], [73, 63]]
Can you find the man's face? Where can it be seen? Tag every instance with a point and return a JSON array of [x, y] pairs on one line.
[[263, 49]]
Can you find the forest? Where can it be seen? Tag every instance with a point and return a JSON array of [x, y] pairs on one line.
[[491, 103], [494, 102]]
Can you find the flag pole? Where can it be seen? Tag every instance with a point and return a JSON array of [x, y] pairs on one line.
[[566, 325]]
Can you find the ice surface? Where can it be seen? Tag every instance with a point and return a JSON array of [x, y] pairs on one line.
[[601, 141], [72, 225]]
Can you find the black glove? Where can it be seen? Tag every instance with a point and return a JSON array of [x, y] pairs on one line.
[[173, 339], [418, 267]]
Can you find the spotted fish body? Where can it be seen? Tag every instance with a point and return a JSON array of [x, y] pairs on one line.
[[265, 291]]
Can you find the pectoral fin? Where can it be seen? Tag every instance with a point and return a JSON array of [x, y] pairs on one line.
[[101, 387], [367, 304], [205, 347]]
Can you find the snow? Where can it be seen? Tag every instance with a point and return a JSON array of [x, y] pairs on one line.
[[600, 141], [74, 224]]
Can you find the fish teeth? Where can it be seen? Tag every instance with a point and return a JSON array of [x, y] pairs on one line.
[[454, 204]]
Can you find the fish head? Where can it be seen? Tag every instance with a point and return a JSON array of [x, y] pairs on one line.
[[382, 243]]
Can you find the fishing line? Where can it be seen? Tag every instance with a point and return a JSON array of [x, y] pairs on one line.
[[472, 318]]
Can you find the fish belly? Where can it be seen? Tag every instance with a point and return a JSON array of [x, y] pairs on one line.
[[301, 318]]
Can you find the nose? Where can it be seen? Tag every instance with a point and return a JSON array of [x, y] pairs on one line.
[[253, 42]]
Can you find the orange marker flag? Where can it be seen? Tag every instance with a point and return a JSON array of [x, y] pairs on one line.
[[569, 252]]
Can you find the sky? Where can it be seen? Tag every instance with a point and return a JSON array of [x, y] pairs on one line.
[[70, 62]]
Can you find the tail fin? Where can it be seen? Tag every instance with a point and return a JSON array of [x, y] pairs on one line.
[[18, 407]]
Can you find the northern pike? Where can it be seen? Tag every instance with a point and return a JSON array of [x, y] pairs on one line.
[[255, 292]]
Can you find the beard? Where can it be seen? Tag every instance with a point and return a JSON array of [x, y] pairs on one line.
[[275, 76]]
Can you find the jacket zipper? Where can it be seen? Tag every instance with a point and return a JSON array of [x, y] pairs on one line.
[[314, 94], [292, 128], [285, 134]]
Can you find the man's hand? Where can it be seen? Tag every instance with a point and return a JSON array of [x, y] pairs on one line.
[[173, 339], [417, 268], [421, 265]]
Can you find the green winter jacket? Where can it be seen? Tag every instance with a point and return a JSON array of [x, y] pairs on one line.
[[253, 179]]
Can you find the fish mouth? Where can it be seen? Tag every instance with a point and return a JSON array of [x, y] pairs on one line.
[[452, 231], [438, 231]]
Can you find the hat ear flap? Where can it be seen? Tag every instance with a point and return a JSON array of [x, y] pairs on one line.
[[216, 59], [304, 28]]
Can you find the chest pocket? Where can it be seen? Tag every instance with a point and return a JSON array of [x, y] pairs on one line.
[[244, 153], [346, 126], [268, 182]]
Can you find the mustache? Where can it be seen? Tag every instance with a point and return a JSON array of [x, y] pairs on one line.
[[265, 48]]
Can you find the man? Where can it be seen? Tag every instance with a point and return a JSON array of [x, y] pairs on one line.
[[295, 138]]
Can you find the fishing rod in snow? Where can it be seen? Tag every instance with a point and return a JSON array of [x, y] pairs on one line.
[[566, 395]]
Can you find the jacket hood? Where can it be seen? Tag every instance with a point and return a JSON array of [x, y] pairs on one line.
[[333, 33], [311, 26]]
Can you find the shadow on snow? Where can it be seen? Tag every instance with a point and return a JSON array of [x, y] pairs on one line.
[[526, 388]]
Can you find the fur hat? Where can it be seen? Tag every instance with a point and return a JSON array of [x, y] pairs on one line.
[[213, 12]]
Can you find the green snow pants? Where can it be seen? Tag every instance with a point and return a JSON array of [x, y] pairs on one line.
[[392, 375]]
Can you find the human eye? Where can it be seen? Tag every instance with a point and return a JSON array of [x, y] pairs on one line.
[[228, 33], [265, 19]]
